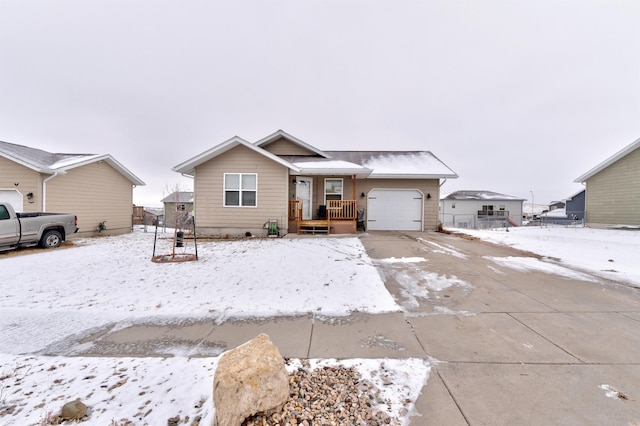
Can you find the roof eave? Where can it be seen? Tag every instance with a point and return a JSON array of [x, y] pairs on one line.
[[107, 159], [282, 134], [609, 161], [188, 167], [375, 175], [359, 173], [27, 164]]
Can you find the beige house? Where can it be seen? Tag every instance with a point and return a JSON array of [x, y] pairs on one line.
[[613, 190], [178, 207], [96, 188], [281, 181]]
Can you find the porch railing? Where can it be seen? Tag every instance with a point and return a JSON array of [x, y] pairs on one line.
[[342, 209], [295, 210], [336, 210], [492, 213]]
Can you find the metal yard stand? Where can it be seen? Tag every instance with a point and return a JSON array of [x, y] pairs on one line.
[[178, 242]]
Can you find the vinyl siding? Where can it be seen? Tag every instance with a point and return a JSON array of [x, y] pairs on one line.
[[28, 181], [212, 215], [467, 210], [427, 186], [613, 195], [283, 146], [95, 192]]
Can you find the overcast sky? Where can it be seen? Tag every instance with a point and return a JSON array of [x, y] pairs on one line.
[[515, 96]]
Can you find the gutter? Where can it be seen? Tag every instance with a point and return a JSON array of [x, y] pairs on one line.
[[44, 190]]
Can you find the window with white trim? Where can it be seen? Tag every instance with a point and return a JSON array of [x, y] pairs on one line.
[[240, 189], [332, 189]]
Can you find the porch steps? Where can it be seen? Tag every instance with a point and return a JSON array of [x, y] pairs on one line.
[[313, 227]]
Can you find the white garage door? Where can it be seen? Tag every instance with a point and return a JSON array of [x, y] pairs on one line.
[[394, 210], [12, 197]]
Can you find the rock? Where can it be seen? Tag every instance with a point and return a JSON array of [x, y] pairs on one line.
[[250, 379], [74, 410]]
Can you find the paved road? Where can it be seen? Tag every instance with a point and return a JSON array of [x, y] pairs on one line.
[[514, 346]]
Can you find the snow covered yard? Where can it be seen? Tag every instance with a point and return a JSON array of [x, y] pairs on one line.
[[46, 296], [609, 253]]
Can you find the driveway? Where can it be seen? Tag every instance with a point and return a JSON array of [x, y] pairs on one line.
[[520, 340], [515, 339]]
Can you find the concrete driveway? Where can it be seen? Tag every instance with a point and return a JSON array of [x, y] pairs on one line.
[[516, 346]]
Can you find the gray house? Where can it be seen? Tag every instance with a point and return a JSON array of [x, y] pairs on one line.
[[575, 205], [480, 209], [613, 189]]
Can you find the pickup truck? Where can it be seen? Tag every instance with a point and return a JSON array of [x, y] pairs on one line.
[[30, 229]]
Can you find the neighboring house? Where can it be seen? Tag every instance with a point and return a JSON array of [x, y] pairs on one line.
[[96, 188], [142, 216], [575, 205], [480, 209], [613, 189], [178, 207], [242, 187], [554, 205]]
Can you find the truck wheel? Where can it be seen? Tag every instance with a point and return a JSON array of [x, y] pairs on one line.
[[51, 239]]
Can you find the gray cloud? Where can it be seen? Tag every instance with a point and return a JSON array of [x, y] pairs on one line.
[[514, 96]]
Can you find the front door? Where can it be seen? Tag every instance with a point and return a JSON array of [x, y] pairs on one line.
[[304, 192]]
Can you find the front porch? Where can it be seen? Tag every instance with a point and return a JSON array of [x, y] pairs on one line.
[[337, 217]]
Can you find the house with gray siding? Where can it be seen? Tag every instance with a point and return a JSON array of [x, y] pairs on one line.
[[575, 205], [612, 190], [480, 209]]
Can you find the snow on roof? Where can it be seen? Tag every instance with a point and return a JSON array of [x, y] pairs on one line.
[[480, 195], [398, 164], [47, 162], [36, 159], [559, 213], [318, 165], [178, 197]]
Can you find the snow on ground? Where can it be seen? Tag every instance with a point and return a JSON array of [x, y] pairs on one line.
[[47, 295], [609, 253], [102, 280]]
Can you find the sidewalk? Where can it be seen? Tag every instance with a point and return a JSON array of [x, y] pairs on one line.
[[514, 347]]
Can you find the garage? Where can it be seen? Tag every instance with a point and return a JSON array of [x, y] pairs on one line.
[[394, 210], [13, 197]]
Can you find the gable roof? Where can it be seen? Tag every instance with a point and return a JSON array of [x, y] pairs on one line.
[[369, 164], [178, 197], [310, 166], [609, 161], [188, 167], [282, 134], [398, 164], [575, 195], [51, 163], [480, 195]]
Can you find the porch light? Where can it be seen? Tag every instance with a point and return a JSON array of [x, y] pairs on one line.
[[428, 196]]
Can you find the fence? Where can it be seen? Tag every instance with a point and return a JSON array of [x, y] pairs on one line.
[[471, 221]]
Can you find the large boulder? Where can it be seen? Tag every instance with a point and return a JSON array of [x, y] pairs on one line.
[[250, 379], [74, 410]]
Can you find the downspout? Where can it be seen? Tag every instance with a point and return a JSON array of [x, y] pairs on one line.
[[44, 190], [444, 203]]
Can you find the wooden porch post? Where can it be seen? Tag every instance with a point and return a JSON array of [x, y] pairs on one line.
[[354, 187]]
